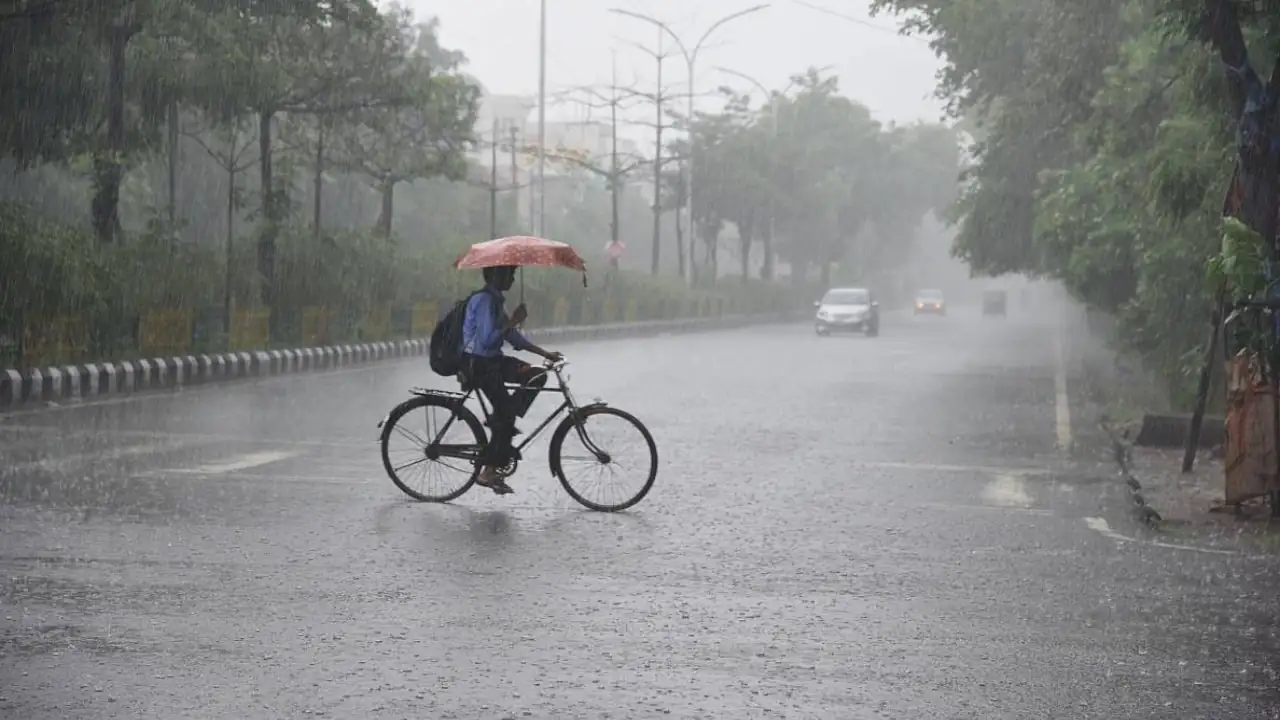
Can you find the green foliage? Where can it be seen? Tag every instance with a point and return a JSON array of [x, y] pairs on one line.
[[1241, 265], [817, 169], [1103, 159], [156, 152]]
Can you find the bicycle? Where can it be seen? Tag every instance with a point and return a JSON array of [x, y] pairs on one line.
[[432, 448]]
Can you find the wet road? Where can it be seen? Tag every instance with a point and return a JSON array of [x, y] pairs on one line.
[[841, 528]]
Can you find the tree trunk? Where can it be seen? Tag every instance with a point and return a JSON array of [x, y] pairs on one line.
[[231, 234], [713, 257], [746, 237], [387, 189], [767, 266], [680, 237], [657, 201], [108, 162], [270, 212], [318, 181], [173, 129]]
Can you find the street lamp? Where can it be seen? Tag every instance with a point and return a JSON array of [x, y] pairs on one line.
[[541, 230], [690, 58]]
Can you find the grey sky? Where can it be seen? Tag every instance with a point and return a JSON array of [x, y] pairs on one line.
[[892, 75]]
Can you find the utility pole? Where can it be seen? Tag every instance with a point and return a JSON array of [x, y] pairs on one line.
[[614, 178], [540, 229], [691, 58], [615, 169], [515, 175], [659, 97], [657, 166], [493, 183]]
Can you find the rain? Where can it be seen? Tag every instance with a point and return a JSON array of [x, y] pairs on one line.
[[566, 359]]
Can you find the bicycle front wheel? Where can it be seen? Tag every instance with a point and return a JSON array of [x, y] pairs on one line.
[[595, 448], [430, 446]]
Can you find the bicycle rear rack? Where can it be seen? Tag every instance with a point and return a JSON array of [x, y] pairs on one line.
[[432, 392]]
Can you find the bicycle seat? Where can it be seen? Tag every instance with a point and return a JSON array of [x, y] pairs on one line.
[[464, 382]]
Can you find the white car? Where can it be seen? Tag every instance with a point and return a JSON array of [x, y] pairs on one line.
[[847, 310]]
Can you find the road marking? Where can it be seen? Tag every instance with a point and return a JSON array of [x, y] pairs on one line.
[[988, 508], [117, 453], [1062, 403], [243, 462], [1008, 491], [163, 475], [1100, 526], [935, 467]]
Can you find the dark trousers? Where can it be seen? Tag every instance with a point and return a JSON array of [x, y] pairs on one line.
[[489, 375]]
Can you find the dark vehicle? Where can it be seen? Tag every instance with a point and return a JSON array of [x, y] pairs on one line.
[[993, 303], [930, 302], [847, 310]]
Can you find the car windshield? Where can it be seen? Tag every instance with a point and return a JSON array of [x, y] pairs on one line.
[[930, 295], [847, 297]]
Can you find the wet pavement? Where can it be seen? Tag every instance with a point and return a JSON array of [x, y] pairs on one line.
[[841, 528]]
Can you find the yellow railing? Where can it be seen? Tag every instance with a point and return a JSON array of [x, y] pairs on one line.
[[165, 332]]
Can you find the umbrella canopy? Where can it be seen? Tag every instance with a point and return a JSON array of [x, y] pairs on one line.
[[522, 251]]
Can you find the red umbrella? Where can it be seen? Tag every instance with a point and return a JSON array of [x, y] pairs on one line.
[[521, 250]]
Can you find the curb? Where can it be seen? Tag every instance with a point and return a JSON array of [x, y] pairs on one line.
[[94, 380], [1143, 512]]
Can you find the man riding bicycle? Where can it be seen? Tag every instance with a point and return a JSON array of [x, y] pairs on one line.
[[485, 328]]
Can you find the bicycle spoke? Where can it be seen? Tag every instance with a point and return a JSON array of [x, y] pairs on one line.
[[421, 463], [619, 481], [411, 464]]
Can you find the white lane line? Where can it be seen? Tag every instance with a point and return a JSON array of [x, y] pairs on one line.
[[1062, 403], [163, 475], [243, 462], [1100, 526], [934, 467], [1007, 491], [989, 508], [58, 461]]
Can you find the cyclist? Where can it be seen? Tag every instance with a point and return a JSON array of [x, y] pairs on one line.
[[485, 328]]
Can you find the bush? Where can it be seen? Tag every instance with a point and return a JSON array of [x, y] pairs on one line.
[[65, 298]]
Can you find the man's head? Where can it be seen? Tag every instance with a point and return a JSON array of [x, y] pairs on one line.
[[501, 277]]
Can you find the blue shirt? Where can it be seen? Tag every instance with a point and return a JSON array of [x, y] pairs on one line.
[[482, 333]]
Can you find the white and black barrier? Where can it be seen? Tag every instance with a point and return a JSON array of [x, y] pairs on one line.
[[92, 380]]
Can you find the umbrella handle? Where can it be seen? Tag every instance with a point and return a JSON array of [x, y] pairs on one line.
[[521, 284]]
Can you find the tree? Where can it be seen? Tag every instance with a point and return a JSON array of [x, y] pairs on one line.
[[425, 136], [1104, 150]]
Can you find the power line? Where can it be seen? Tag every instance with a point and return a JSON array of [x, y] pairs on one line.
[[856, 20]]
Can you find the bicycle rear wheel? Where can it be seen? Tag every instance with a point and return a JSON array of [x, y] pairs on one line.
[[604, 442], [408, 456]]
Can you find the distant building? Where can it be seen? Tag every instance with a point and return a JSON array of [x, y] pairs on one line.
[[589, 141]]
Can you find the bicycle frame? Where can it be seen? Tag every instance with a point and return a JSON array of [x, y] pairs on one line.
[[569, 402]]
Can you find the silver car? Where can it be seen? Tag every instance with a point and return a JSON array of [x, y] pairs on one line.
[[847, 310]]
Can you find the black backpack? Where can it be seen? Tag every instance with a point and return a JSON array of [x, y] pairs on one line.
[[445, 351]]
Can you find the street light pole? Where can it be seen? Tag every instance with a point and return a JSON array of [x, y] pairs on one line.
[[542, 121], [691, 58]]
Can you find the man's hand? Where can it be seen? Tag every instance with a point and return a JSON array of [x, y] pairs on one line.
[[552, 355], [518, 315]]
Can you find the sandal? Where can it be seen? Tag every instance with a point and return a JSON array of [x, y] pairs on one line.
[[496, 483]]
